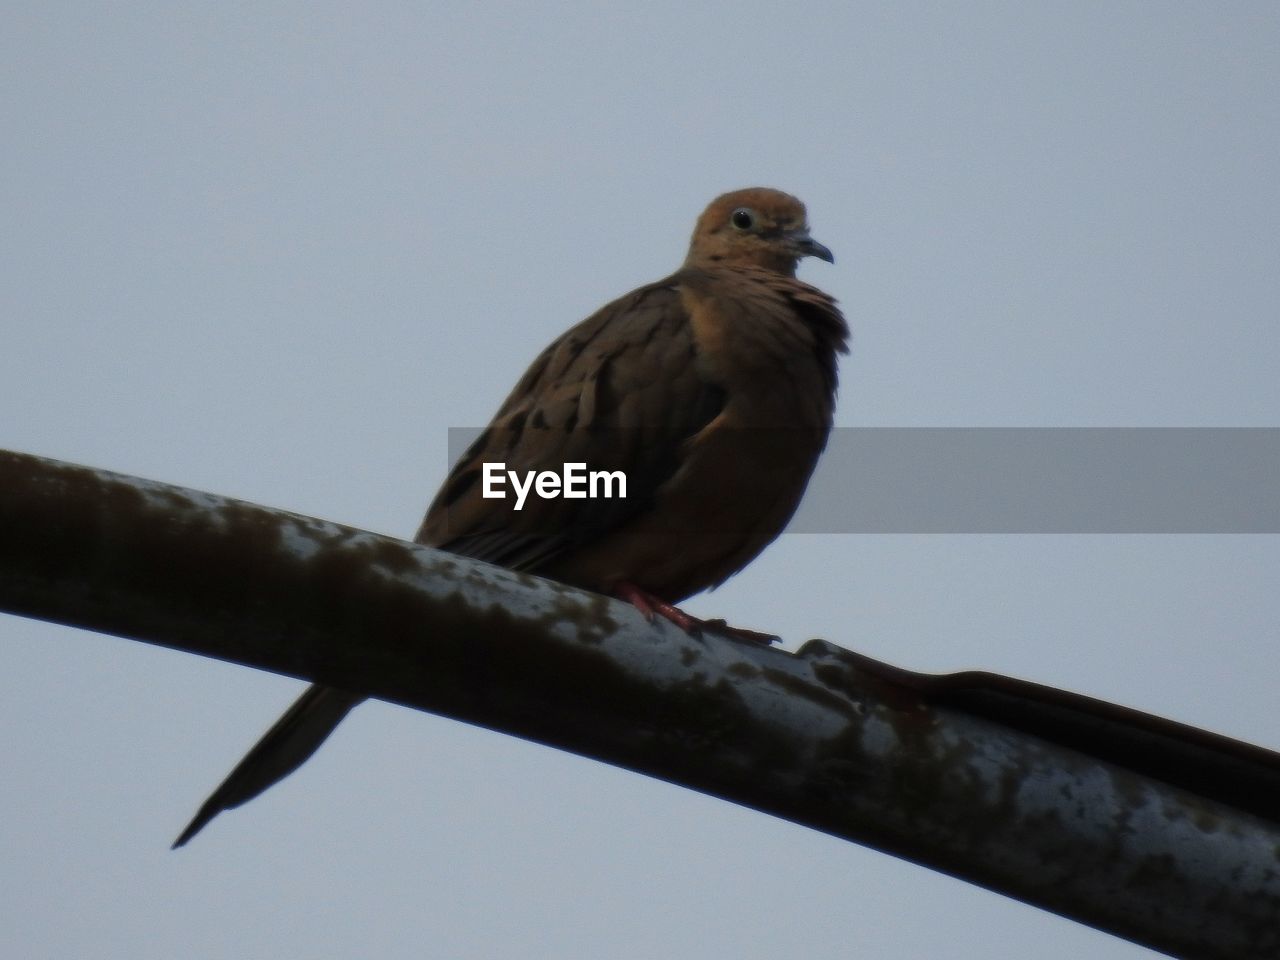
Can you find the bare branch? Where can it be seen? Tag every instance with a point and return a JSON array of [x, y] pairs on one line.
[[1154, 832]]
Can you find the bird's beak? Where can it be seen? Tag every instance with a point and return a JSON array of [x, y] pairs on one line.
[[805, 246]]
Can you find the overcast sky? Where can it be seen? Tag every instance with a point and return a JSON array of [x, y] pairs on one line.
[[276, 250]]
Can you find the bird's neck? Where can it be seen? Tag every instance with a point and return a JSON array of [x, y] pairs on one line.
[[781, 265]]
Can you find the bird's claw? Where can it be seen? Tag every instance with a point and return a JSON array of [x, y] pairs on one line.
[[651, 606], [741, 633]]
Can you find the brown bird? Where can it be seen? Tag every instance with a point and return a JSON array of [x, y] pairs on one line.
[[712, 390]]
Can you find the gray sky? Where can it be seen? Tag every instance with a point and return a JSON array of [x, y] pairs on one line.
[[276, 250]]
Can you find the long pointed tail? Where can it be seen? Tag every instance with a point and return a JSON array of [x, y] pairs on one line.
[[282, 749]]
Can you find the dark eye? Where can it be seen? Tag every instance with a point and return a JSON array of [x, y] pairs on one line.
[[743, 219]]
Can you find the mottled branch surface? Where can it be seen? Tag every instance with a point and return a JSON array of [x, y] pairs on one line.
[[1160, 834]]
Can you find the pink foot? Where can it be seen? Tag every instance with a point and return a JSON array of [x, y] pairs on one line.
[[651, 606]]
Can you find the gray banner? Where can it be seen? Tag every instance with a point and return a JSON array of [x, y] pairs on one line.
[[1037, 480]]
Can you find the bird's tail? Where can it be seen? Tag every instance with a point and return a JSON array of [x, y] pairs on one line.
[[282, 749]]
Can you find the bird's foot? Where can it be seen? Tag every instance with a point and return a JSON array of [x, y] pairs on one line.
[[741, 633], [651, 606]]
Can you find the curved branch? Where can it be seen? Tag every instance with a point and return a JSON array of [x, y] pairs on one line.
[[1151, 831]]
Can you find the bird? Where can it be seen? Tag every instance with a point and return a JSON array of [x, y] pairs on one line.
[[712, 389]]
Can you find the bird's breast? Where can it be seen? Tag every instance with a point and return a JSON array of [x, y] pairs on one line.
[[741, 476]]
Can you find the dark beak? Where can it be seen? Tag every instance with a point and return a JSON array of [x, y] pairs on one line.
[[805, 246]]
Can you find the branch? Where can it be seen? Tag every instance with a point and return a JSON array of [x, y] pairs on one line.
[[1149, 830]]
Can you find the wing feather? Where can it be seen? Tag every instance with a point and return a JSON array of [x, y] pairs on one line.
[[620, 391]]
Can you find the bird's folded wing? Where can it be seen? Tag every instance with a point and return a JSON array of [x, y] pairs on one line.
[[621, 391]]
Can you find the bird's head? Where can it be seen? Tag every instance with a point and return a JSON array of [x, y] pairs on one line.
[[754, 227]]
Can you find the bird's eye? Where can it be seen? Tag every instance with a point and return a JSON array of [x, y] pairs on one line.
[[743, 219]]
